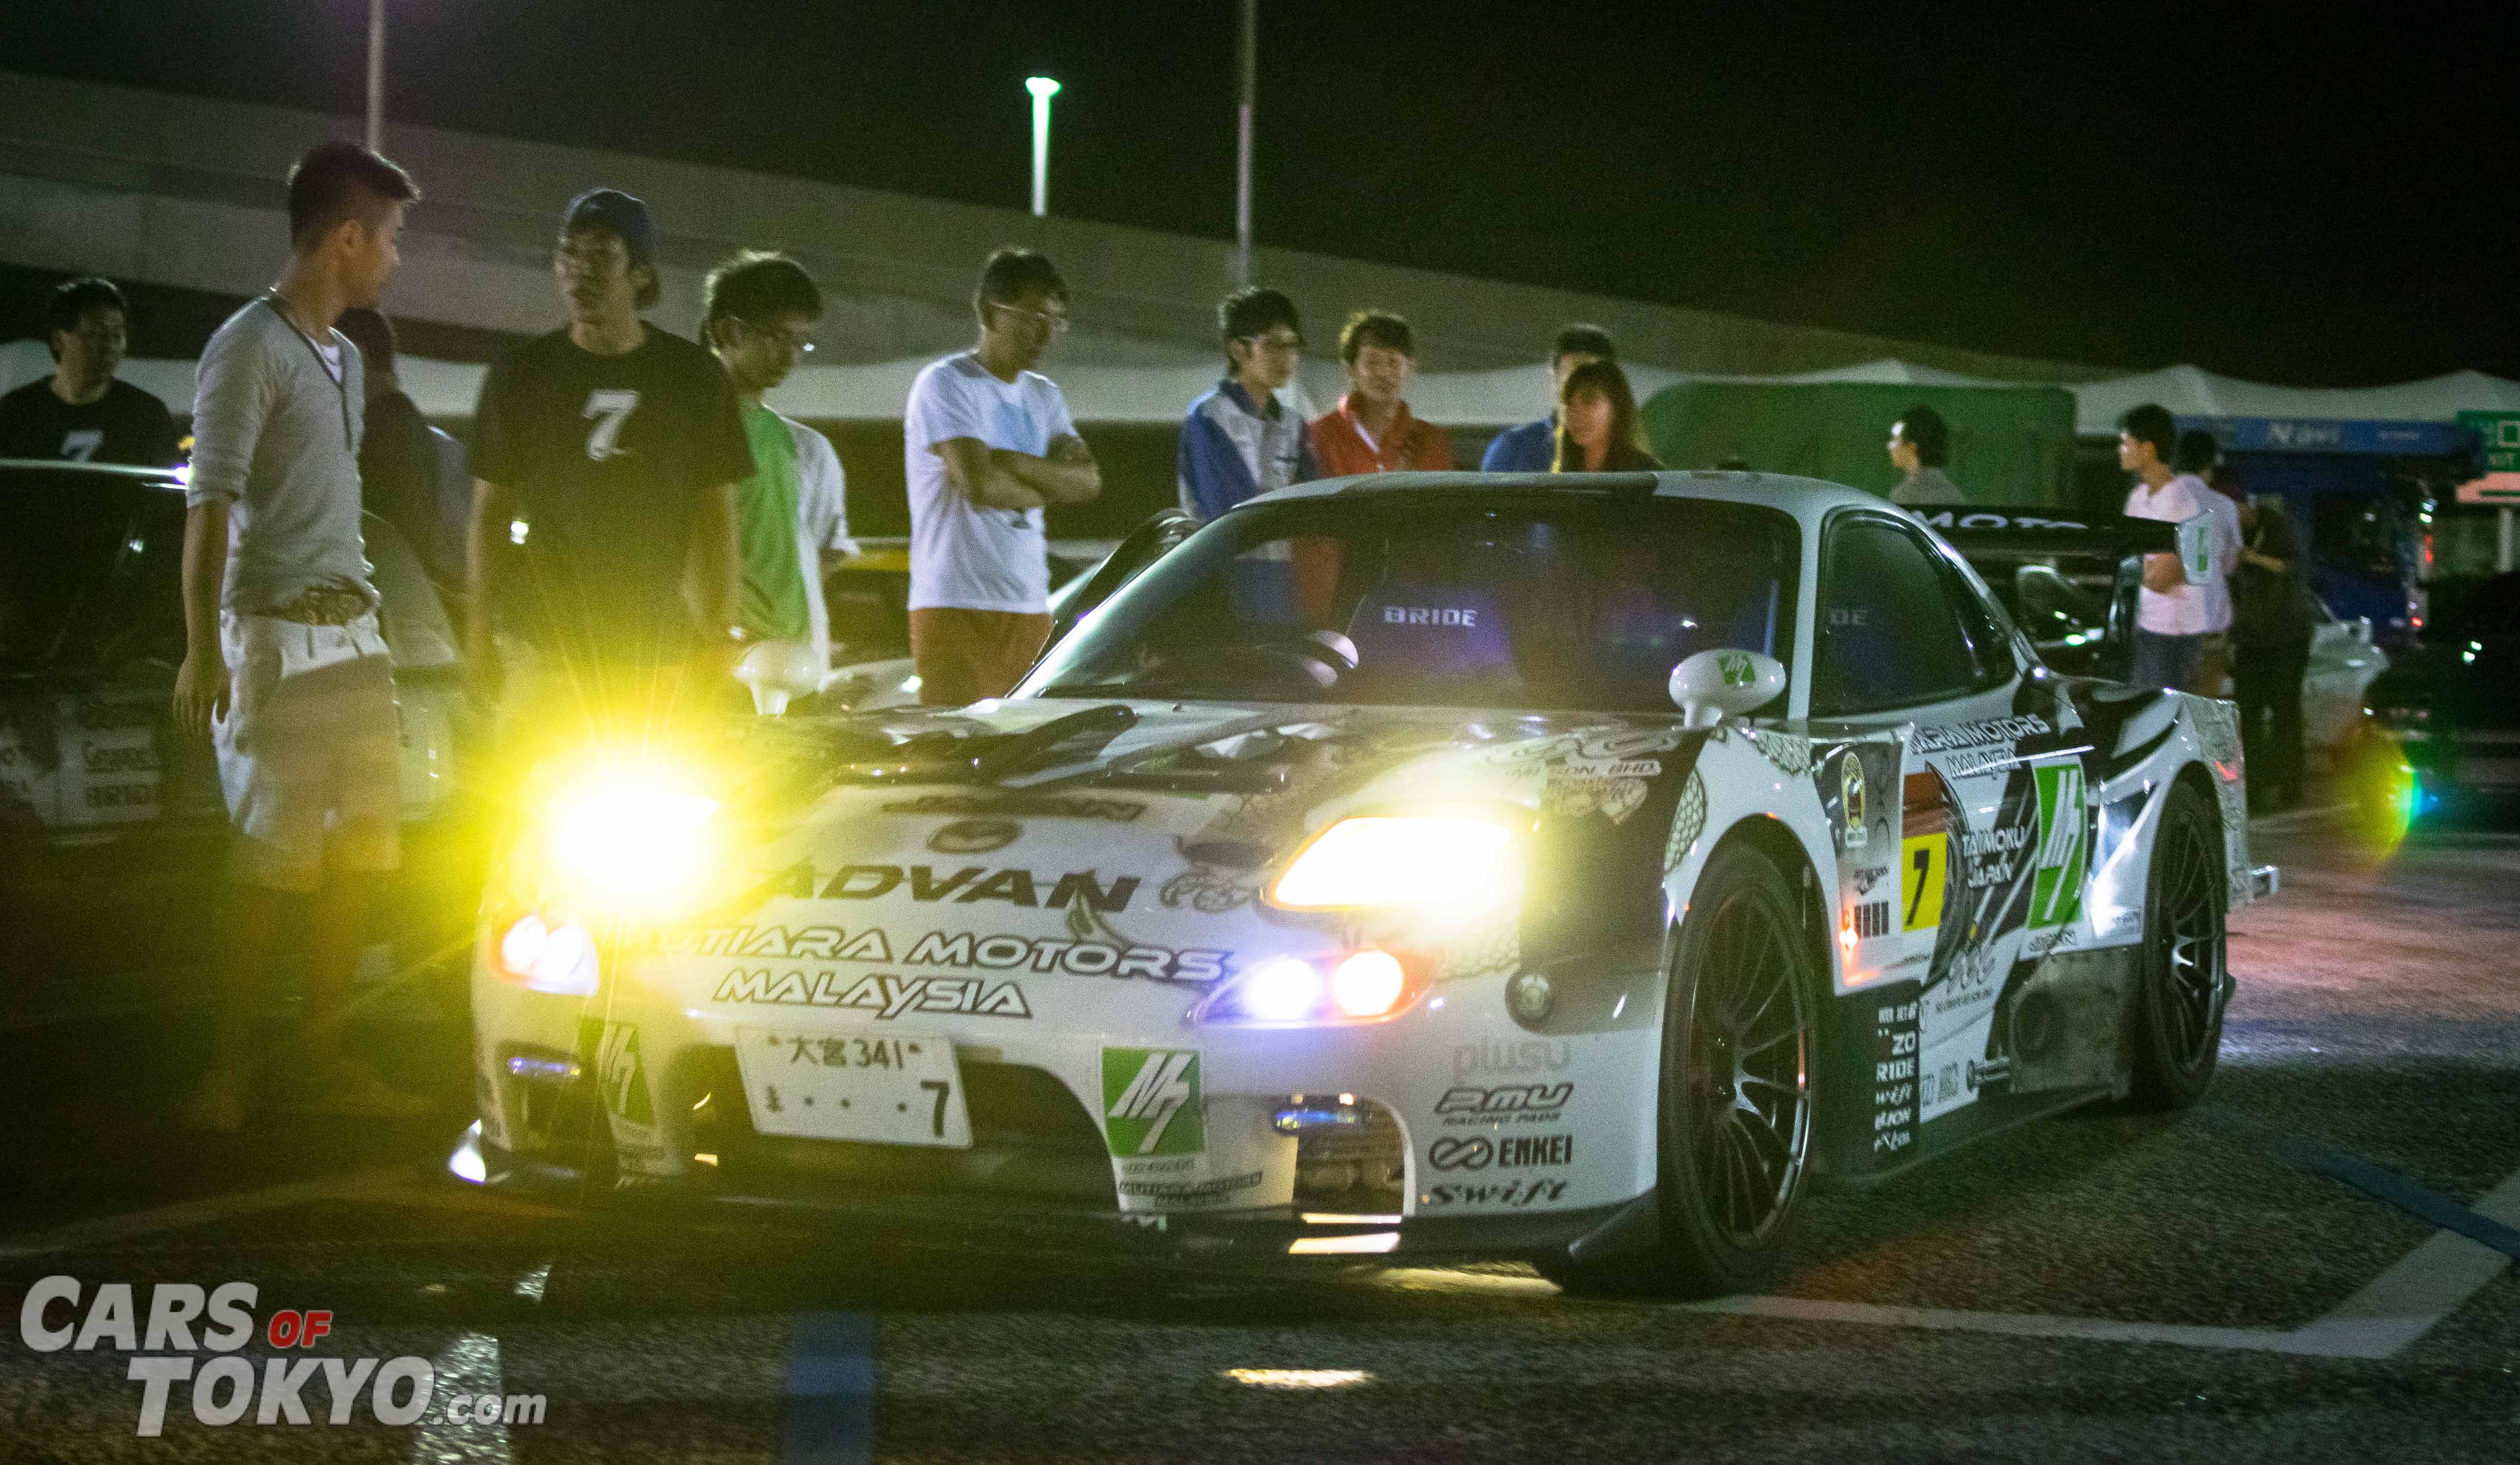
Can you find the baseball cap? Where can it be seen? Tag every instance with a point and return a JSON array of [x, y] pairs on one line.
[[618, 213]]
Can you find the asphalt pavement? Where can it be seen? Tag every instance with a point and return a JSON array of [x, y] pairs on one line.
[[2302, 1271]]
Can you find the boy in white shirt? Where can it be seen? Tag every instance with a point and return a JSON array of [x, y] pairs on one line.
[[986, 442], [2175, 622]]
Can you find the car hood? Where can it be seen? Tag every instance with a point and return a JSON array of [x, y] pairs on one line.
[[1139, 849]]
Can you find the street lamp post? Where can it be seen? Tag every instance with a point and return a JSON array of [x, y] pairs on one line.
[[1246, 89], [375, 76], [1042, 89]]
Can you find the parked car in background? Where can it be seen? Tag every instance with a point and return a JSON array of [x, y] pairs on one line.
[[2442, 731], [113, 834]]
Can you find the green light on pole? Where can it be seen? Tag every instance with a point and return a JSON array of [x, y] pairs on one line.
[[1042, 89]]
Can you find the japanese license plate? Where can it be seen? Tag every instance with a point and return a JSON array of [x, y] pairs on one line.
[[883, 1089]]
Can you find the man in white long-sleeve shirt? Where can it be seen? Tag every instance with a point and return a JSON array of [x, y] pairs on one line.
[[285, 666]]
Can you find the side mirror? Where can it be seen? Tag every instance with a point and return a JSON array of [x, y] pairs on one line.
[[778, 670], [1723, 683]]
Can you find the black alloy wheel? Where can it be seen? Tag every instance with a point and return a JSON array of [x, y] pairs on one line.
[[1740, 1043], [2186, 979]]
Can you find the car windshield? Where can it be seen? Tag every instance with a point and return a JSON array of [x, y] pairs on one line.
[[1540, 599]]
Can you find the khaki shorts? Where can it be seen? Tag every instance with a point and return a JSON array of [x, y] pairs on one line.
[[964, 655], [309, 752]]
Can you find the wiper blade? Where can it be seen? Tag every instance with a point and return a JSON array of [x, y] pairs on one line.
[[1038, 747]]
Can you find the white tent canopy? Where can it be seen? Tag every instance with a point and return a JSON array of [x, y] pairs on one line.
[[877, 390]]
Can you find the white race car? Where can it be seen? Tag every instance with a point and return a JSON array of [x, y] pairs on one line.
[[1566, 868]]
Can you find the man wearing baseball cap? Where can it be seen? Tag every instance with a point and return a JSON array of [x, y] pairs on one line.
[[607, 457]]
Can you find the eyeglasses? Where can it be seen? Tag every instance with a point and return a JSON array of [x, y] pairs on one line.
[[1056, 325], [1282, 344], [794, 338]]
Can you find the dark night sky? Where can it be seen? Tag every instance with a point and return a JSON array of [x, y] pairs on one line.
[[2319, 200]]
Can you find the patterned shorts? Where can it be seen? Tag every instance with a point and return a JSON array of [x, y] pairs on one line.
[[309, 751]]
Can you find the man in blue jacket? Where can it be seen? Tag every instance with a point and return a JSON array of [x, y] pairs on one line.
[[1239, 439], [1533, 446]]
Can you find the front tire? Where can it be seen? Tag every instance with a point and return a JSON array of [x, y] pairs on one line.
[[2184, 981], [1737, 1098]]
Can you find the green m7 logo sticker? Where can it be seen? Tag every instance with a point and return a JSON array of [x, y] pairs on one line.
[[1150, 1102], [2056, 881], [1738, 671]]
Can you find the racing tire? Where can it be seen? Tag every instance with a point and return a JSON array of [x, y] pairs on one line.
[[1737, 1098], [2183, 982]]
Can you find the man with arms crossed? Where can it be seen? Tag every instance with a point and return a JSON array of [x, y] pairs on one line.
[[986, 442], [617, 448], [283, 664], [1532, 446], [791, 522], [80, 412]]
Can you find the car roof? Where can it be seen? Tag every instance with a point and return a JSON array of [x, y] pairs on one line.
[[172, 477], [1808, 499]]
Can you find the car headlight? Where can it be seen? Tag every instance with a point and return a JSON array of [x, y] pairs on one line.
[[629, 840], [1400, 860]]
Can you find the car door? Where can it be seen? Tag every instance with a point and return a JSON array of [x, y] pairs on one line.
[[1994, 812]]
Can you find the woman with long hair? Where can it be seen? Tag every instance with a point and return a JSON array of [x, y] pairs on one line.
[[1596, 424]]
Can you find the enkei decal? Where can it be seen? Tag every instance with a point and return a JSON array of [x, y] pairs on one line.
[[1150, 1102], [886, 997], [1514, 1193], [1507, 1152], [1020, 806]]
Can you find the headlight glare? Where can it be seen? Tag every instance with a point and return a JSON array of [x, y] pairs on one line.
[[631, 840], [1397, 860]]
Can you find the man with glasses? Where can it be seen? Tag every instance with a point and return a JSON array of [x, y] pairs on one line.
[[1239, 441], [80, 412], [606, 458], [986, 443], [790, 515]]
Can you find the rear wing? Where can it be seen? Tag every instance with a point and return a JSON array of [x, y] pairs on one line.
[[2006, 530]]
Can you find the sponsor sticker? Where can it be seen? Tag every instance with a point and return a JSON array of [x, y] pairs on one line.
[[1519, 1103], [1509, 1152], [2056, 883], [881, 993], [1150, 1102], [1510, 1194], [974, 836], [1894, 1073], [1924, 869]]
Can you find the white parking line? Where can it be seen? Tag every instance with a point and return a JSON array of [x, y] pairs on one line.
[[2379, 1321]]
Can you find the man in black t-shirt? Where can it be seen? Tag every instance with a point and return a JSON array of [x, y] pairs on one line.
[[607, 457], [80, 412]]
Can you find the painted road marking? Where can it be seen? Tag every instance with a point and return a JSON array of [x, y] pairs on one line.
[[829, 1418]]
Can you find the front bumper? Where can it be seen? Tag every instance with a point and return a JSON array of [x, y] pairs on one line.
[[954, 1220]]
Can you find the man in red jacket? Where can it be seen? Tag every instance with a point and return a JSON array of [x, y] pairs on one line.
[[1371, 430]]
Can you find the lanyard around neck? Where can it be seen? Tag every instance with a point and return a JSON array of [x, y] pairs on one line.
[[340, 380]]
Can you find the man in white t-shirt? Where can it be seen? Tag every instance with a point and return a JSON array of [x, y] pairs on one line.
[[2198, 453], [2175, 622], [986, 442]]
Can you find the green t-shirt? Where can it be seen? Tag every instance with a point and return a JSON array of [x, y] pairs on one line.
[[774, 580]]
